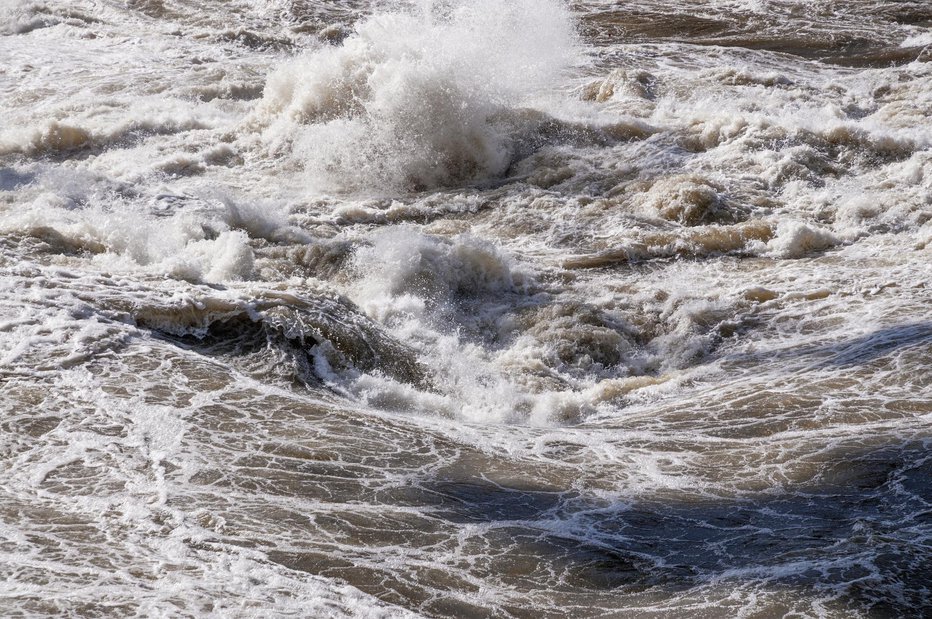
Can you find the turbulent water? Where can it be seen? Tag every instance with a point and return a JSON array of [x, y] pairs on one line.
[[486, 308]]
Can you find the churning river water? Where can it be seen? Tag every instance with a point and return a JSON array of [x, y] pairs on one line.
[[486, 308]]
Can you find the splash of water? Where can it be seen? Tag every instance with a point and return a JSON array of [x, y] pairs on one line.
[[414, 98]]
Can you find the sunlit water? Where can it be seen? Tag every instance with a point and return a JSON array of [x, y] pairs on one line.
[[478, 309]]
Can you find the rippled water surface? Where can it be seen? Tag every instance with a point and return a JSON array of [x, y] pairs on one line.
[[516, 308]]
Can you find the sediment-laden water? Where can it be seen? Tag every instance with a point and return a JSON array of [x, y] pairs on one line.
[[515, 308]]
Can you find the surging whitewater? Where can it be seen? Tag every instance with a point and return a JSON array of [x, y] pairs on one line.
[[415, 99], [509, 309]]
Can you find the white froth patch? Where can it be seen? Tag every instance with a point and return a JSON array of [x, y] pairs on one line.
[[404, 271], [920, 39], [209, 244], [408, 99], [225, 258], [23, 16], [414, 284], [795, 239]]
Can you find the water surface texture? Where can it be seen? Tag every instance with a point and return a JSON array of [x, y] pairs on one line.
[[485, 308]]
